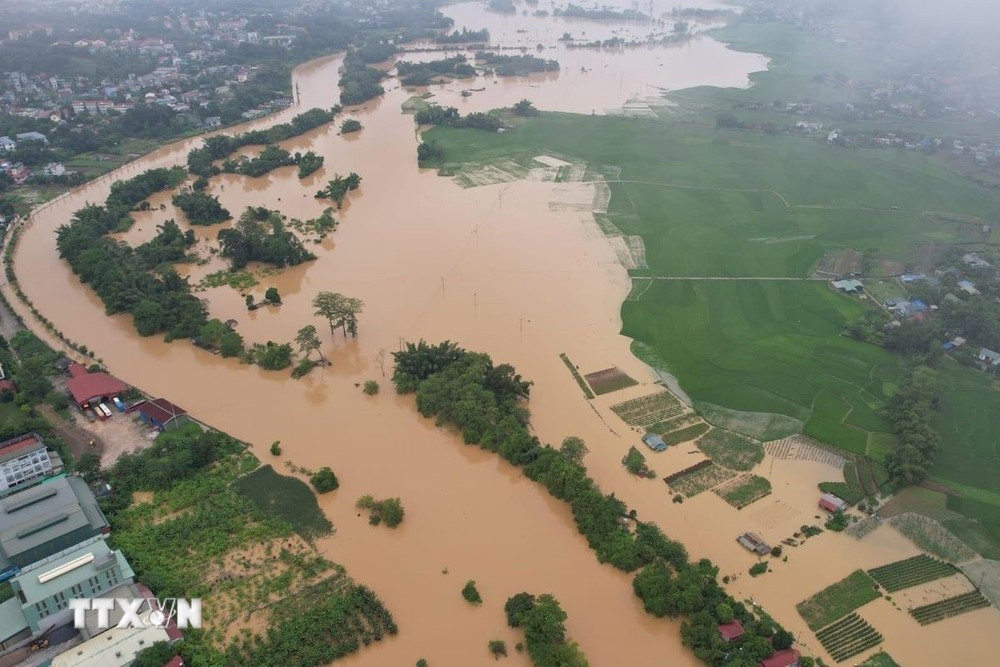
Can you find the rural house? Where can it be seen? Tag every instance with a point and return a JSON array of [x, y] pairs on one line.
[[162, 414], [753, 542], [989, 356], [787, 658], [848, 286], [832, 503], [730, 631], [654, 442]]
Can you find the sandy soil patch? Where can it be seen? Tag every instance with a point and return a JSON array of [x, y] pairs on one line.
[[550, 161]]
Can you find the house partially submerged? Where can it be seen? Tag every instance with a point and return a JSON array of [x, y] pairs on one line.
[[831, 503], [654, 442], [754, 542]]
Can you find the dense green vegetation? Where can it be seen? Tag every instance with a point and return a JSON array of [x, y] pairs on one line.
[[421, 73], [484, 403], [159, 301], [350, 125], [170, 245], [388, 511], [218, 147], [464, 37], [434, 114], [260, 236], [504, 65], [838, 599], [880, 659], [324, 481], [471, 594], [731, 449], [543, 621], [269, 159], [953, 606], [308, 163], [358, 82], [338, 188], [201, 208]]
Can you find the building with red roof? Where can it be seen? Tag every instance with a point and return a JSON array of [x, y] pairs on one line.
[[730, 631], [88, 388], [162, 414], [832, 503], [787, 658]]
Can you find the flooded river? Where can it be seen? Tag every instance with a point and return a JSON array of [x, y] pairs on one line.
[[509, 269]]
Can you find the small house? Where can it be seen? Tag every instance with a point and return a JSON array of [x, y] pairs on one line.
[[989, 356], [730, 631], [753, 542], [832, 503], [654, 442], [787, 658], [912, 278], [968, 287], [162, 414], [848, 286]]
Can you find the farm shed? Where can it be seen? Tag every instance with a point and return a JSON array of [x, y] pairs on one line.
[[832, 503], [753, 542], [87, 388], [654, 442], [162, 414]]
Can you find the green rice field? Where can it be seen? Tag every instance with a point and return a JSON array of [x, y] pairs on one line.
[[838, 599]]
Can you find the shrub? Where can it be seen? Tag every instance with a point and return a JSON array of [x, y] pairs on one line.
[[271, 295], [276, 448], [776, 551], [389, 510], [471, 594], [421, 663], [350, 125], [516, 606], [758, 569], [324, 480], [498, 648], [678, 498], [371, 387]]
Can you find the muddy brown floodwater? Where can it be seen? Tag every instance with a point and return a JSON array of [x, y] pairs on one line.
[[510, 269]]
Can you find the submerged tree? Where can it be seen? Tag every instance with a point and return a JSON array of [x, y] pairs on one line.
[[308, 341], [339, 310]]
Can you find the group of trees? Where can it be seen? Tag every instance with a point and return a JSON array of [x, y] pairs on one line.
[[428, 152], [505, 65], [464, 37], [170, 245], [339, 311], [200, 160], [260, 236], [388, 511], [358, 82], [543, 621], [350, 125], [268, 160], [159, 300], [421, 73], [910, 410], [200, 207], [308, 163], [338, 188], [437, 115], [485, 403]]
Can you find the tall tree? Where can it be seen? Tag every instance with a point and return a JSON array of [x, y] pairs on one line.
[[327, 305], [308, 340], [339, 310]]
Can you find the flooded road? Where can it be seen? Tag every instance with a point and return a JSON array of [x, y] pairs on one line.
[[509, 269]]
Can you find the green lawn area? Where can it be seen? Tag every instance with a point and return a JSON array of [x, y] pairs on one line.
[[880, 659], [286, 498], [838, 600], [11, 418], [731, 449]]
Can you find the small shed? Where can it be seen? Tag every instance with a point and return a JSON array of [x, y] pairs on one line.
[[753, 542], [654, 442], [730, 631], [832, 503], [989, 356], [162, 414], [849, 286]]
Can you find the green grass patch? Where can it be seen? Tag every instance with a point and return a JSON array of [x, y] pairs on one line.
[[976, 536], [576, 376], [12, 419], [286, 498], [731, 449], [238, 280], [763, 426], [684, 434], [744, 490], [838, 599]]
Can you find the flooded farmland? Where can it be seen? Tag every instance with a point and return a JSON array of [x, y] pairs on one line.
[[519, 270]]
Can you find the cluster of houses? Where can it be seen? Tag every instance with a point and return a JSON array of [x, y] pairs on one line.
[[54, 548]]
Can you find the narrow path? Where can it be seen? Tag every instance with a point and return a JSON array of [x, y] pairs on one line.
[[812, 279], [77, 438]]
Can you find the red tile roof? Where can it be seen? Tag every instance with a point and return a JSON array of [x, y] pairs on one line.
[[785, 658], [731, 631], [26, 441], [87, 386], [76, 370], [7, 385]]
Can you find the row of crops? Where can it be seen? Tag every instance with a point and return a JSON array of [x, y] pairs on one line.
[[910, 572], [649, 409], [848, 636], [942, 609]]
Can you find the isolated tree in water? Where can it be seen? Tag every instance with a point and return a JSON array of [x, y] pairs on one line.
[[339, 310], [308, 340]]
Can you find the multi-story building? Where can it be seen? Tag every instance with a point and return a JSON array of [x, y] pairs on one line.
[[23, 460]]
